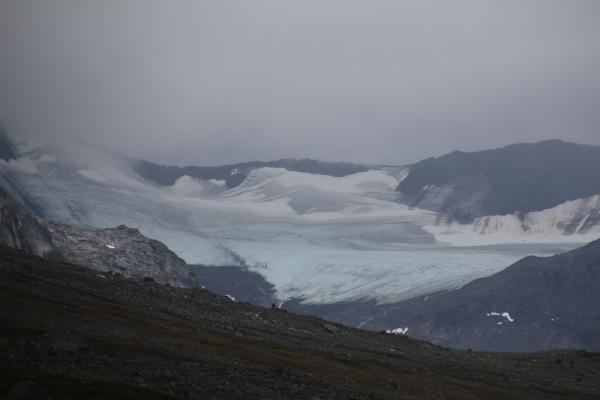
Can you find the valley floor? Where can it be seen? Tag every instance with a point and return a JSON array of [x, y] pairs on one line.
[[84, 334]]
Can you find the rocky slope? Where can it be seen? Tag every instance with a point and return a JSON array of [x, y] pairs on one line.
[[20, 230], [234, 174], [239, 283], [120, 249], [535, 304], [7, 148], [515, 179], [78, 334]]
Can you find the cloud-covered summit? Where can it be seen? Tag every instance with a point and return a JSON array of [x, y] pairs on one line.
[[213, 82]]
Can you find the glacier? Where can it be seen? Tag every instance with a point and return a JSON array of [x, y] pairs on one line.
[[573, 221], [318, 238]]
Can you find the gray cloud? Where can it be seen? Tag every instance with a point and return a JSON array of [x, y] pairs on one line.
[[208, 82]]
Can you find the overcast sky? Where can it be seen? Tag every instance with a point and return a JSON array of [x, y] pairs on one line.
[[212, 82]]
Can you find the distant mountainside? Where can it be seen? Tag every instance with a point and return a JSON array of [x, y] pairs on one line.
[[339, 245], [122, 250], [316, 237], [515, 179], [234, 174], [535, 304]]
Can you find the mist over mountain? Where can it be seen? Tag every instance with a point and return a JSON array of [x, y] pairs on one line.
[[299, 200], [213, 83], [340, 240], [7, 148]]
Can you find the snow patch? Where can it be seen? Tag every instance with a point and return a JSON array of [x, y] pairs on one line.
[[504, 315], [230, 297], [398, 331], [553, 225], [279, 193], [188, 186], [217, 182]]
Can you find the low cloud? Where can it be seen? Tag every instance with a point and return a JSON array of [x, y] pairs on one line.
[[211, 82]]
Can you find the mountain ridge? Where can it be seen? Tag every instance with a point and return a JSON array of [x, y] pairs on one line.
[[536, 304], [234, 174], [518, 178]]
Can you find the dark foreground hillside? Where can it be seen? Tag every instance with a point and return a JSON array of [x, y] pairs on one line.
[[79, 333]]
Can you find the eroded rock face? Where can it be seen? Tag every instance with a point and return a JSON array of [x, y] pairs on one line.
[[119, 249], [7, 148], [20, 230]]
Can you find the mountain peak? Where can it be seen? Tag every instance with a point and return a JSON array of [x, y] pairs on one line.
[[506, 180]]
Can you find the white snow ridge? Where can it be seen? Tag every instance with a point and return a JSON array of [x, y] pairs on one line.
[[504, 315], [545, 226], [398, 331]]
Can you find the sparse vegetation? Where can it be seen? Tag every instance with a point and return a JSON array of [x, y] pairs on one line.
[[82, 336]]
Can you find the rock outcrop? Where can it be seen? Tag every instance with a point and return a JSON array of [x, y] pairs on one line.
[[20, 230], [121, 249]]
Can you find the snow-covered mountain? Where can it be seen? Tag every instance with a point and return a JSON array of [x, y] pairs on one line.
[[533, 192], [322, 237], [235, 174], [571, 221]]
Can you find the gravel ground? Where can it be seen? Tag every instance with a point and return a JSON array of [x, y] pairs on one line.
[[80, 333]]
